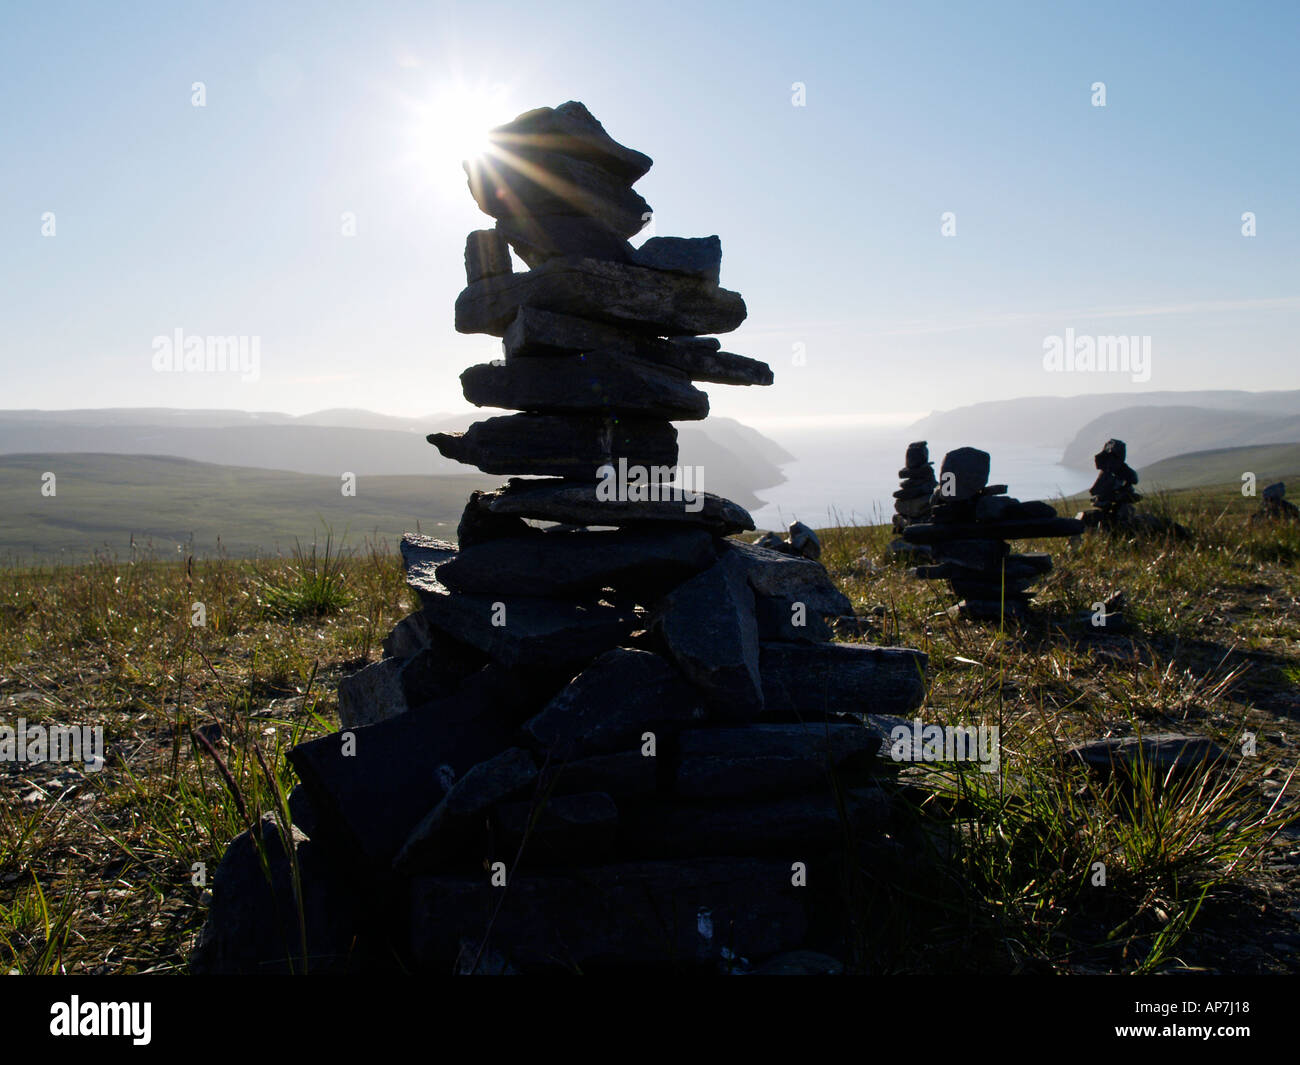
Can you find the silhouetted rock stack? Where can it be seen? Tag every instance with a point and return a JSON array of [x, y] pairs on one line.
[[971, 522], [620, 739], [912, 500], [1113, 495], [1274, 506]]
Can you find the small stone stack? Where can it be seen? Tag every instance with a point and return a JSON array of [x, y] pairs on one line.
[[1274, 505], [971, 522], [623, 737], [801, 541], [1113, 495], [917, 485]]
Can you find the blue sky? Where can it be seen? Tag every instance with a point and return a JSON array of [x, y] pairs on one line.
[[225, 219]]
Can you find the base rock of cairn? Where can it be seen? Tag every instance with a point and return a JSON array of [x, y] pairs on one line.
[[970, 524], [612, 735]]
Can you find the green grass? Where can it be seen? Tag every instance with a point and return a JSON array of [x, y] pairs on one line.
[[1203, 469], [150, 505], [99, 872]]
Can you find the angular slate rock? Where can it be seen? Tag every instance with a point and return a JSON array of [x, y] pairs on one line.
[[565, 827], [486, 255], [253, 927], [579, 503], [839, 678], [545, 182], [764, 760], [409, 636], [622, 774], [962, 474], [369, 800], [627, 914], [559, 445], [479, 525], [1006, 530], [788, 579], [693, 256], [647, 301], [596, 383], [572, 130], [485, 785], [799, 825], [539, 237], [1161, 753], [612, 703], [535, 333], [421, 556], [711, 631], [558, 562], [518, 630]]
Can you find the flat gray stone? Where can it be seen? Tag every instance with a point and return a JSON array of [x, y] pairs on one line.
[[559, 445], [490, 782], [937, 533], [710, 628], [1161, 753], [572, 130], [612, 703], [546, 183], [577, 502], [768, 759], [565, 827], [596, 383], [647, 301], [693, 256], [521, 630], [559, 562], [486, 255], [539, 237], [535, 333], [838, 678]]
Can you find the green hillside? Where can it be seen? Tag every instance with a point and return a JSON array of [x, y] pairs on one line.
[[104, 501], [1203, 469]]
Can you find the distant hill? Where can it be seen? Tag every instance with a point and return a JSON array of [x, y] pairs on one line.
[[1203, 469], [738, 461], [1155, 433], [103, 501], [1055, 421]]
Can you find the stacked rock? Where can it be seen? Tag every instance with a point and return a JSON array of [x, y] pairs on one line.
[[917, 485], [1274, 505], [1113, 495], [623, 737], [801, 541], [970, 525]]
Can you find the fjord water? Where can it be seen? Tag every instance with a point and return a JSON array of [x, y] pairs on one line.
[[847, 476]]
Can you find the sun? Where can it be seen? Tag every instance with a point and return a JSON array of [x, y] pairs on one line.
[[452, 126]]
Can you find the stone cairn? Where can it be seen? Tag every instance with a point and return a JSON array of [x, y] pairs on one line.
[[617, 738], [800, 540], [1274, 505], [970, 524], [1113, 494], [917, 485]]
